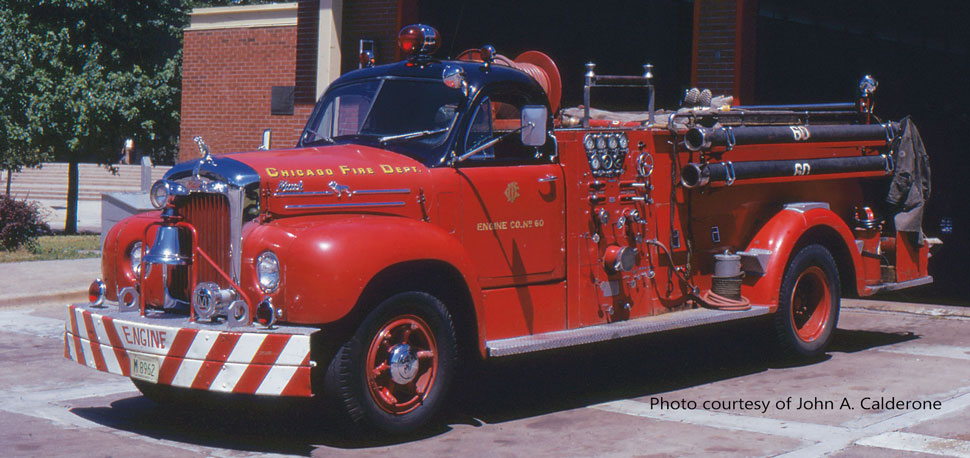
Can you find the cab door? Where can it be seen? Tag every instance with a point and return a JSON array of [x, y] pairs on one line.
[[512, 213]]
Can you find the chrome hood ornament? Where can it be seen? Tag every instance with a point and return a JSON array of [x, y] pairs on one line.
[[206, 156]]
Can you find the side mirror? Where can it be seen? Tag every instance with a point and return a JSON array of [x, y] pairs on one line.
[[267, 136], [534, 125]]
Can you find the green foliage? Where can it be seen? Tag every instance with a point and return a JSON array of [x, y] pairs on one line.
[[85, 75], [16, 128], [57, 247], [97, 72], [20, 224]]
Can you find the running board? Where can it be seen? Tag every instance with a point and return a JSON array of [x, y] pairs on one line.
[[900, 285], [617, 330]]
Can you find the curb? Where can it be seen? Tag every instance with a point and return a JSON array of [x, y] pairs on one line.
[[907, 307], [67, 296]]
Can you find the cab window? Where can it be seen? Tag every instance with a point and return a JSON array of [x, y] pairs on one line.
[[499, 114]]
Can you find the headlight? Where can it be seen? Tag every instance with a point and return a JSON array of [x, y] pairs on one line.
[[163, 191], [159, 194], [268, 271], [134, 255]]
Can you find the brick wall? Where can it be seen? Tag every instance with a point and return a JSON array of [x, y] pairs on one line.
[[714, 36], [307, 30], [227, 76], [724, 47]]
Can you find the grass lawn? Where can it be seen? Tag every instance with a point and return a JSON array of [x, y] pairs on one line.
[[57, 247]]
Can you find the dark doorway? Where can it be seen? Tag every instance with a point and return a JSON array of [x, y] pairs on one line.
[[920, 53], [618, 36]]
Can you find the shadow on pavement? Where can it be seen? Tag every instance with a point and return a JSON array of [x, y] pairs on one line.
[[492, 392]]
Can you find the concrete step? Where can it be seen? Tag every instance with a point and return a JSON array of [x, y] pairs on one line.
[[50, 181], [90, 181]]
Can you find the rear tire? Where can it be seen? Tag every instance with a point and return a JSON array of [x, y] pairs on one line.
[[393, 374], [808, 303]]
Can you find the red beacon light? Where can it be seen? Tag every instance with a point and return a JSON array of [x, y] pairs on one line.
[[418, 40]]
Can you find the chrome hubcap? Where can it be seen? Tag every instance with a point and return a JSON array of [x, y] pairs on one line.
[[403, 363]]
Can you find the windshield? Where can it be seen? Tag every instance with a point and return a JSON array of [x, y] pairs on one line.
[[412, 117]]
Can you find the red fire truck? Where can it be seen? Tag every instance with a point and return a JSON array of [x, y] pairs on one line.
[[435, 210]]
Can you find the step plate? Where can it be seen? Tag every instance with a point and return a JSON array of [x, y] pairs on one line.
[[618, 330]]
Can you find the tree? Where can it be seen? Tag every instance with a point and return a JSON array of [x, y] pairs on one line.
[[16, 128], [98, 71]]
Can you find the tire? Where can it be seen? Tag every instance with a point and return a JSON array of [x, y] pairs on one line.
[[808, 303], [392, 376]]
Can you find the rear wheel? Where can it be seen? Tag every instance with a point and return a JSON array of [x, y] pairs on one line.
[[808, 304], [393, 374]]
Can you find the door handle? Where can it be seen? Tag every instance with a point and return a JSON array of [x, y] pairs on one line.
[[548, 178]]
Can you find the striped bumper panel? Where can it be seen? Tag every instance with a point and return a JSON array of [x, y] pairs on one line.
[[272, 364]]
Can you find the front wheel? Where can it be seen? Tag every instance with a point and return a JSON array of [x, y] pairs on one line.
[[393, 374], [808, 304]]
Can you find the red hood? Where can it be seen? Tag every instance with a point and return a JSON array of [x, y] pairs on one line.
[[339, 178]]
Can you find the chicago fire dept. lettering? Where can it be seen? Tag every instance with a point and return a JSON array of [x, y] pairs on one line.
[[274, 172], [398, 169], [144, 337], [290, 173]]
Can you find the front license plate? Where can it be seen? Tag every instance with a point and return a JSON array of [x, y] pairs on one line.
[[145, 368]]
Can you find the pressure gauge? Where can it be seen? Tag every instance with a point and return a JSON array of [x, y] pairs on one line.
[[594, 162], [607, 161], [601, 142], [613, 142], [624, 142], [589, 142]]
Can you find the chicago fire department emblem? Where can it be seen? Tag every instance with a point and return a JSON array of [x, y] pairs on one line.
[[512, 191]]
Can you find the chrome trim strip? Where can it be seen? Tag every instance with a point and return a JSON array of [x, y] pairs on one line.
[[620, 329], [236, 196], [303, 194], [345, 205], [330, 193], [802, 207], [384, 191]]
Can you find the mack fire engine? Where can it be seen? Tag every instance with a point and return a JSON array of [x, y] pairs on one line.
[[442, 209]]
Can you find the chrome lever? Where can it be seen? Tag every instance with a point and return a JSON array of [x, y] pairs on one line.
[[548, 178]]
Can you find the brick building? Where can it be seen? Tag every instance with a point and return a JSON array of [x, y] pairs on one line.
[[250, 68]]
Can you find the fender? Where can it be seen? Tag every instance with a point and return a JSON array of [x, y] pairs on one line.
[[116, 271], [328, 260], [781, 235]]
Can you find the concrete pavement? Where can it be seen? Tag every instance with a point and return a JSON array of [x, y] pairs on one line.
[[631, 398], [27, 283]]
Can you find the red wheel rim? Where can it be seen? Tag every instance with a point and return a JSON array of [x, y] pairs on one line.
[[401, 365], [811, 302]]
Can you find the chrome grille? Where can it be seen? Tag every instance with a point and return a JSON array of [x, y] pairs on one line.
[[210, 214]]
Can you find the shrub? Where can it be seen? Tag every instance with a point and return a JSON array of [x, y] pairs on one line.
[[20, 224]]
